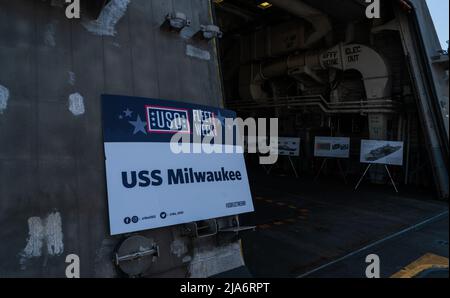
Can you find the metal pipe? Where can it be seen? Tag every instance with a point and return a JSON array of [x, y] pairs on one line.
[[381, 106], [244, 14], [368, 62], [320, 21]]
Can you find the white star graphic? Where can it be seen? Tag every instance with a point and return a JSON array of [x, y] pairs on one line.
[[139, 125], [128, 113]]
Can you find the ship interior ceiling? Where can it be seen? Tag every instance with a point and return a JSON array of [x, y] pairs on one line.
[[273, 65], [270, 68]]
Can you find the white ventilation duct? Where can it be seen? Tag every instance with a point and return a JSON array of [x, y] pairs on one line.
[[319, 20], [252, 76], [367, 61], [375, 74]]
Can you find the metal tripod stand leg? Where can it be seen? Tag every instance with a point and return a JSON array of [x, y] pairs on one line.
[[362, 177], [321, 168], [390, 177], [270, 169], [342, 171], [293, 167]]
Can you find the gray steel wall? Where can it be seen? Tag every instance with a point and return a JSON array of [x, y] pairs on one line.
[[51, 161], [430, 120]]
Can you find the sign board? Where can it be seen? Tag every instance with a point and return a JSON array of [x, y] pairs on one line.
[[288, 146], [382, 152], [149, 185], [337, 147]]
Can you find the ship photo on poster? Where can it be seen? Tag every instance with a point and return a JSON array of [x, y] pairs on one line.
[[382, 152], [285, 146], [288, 146]]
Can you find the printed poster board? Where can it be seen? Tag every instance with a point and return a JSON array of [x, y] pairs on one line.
[[150, 186], [334, 147], [288, 146], [382, 152]]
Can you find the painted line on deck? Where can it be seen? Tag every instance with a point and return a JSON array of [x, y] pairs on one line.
[[406, 230], [425, 262]]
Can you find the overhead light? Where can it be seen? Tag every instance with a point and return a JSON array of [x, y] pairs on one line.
[[264, 5]]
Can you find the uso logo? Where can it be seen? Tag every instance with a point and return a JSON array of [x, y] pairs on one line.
[[167, 120]]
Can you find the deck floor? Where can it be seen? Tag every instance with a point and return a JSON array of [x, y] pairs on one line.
[[302, 225]]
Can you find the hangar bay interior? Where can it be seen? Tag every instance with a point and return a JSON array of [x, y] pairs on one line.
[[320, 66], [279, 59]]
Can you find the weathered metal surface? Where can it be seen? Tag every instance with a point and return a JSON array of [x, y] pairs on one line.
[[52, 73], [420, 43]]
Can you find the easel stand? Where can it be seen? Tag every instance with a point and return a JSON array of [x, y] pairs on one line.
[[367, 169], [324, 162], [291, 163]]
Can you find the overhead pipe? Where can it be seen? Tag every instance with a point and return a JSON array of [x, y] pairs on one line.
[[238, 11], [252, 76], [320, 21], [355, 107], [371, 65]]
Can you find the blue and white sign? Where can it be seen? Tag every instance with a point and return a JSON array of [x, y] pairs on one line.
[[150, 186]]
